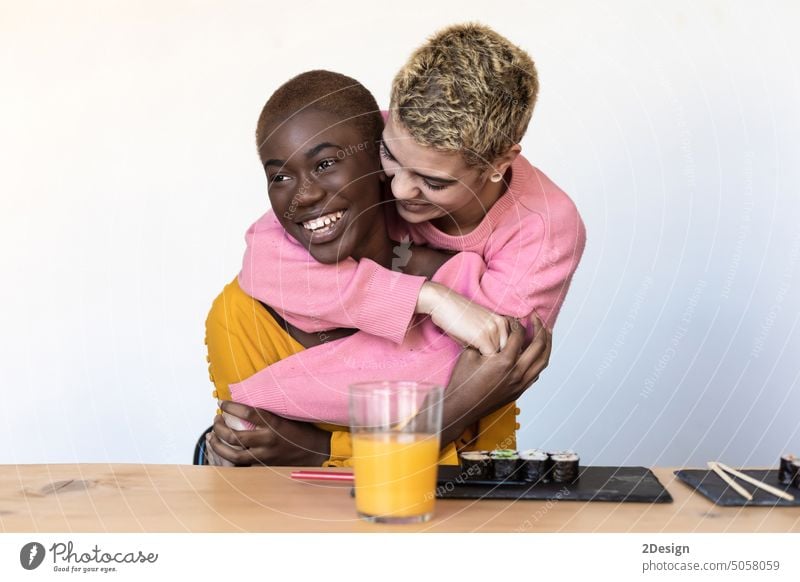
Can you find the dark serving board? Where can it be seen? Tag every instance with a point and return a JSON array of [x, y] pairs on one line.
[[636, 484], [715, 489]]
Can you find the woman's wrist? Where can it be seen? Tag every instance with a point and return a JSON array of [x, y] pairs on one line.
[[430, 294]]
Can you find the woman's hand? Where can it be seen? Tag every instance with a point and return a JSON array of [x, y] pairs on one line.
[[274, 440], [463, 320], [480, 385], [212, 457]]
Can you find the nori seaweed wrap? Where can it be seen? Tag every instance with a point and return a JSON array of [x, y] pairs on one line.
[[505, 463], [476, 465], [551, 454], [533, 465], [795, 468], [566, 467], [786, 473]]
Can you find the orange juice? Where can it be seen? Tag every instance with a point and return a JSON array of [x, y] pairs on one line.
[[395, 473]]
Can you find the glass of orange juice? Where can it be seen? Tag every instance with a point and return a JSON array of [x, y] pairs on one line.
[[395, 433]]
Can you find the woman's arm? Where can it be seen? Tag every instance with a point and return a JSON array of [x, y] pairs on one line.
[[530, 275], [531, 264], [315, 297], [478, 386], [313, 385], [364, 295], [482, 384]]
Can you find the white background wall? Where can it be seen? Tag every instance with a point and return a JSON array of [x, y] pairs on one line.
[[129, 175]]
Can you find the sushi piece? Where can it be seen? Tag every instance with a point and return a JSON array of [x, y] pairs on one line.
[[505, 463], [786, 473], [566, 467], [533, 465], [551, 454], [795, 469], [476, 465]]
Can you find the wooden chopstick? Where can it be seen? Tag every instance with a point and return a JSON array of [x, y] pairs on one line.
[[731, 483], [763, 486], [322, 476]]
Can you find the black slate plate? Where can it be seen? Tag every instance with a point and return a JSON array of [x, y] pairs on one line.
[[715, 489], [636, 484]]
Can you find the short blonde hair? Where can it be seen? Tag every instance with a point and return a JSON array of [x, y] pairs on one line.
[[467, 89]]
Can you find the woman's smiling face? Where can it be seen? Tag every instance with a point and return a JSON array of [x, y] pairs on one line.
[[428, 184], [324, 183]]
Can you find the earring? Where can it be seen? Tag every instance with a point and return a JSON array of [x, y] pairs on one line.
[[496, 177]]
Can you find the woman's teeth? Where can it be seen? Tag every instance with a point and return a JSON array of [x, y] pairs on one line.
[[323, 223]]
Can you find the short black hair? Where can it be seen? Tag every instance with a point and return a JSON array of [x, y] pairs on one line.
[[326, 91]]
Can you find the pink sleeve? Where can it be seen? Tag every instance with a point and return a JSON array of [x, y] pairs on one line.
[[313, 296], [312, 385], [531, 272]]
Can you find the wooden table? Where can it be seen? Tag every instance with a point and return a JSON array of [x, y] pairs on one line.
[[182, 498]]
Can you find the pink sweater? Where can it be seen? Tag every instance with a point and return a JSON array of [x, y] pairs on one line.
[[520, 259]]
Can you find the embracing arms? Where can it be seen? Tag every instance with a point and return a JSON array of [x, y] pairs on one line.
[[478, 386], [380, 301]]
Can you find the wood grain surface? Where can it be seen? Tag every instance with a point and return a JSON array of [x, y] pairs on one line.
[[185, 498]]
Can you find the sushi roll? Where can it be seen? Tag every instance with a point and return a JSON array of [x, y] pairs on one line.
[[786, 473], [533, 465], [504, 462], [550, 455], [795, 469], [565, 467], [476, 465]]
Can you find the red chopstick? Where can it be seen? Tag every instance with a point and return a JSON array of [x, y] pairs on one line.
[[322, 476]]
